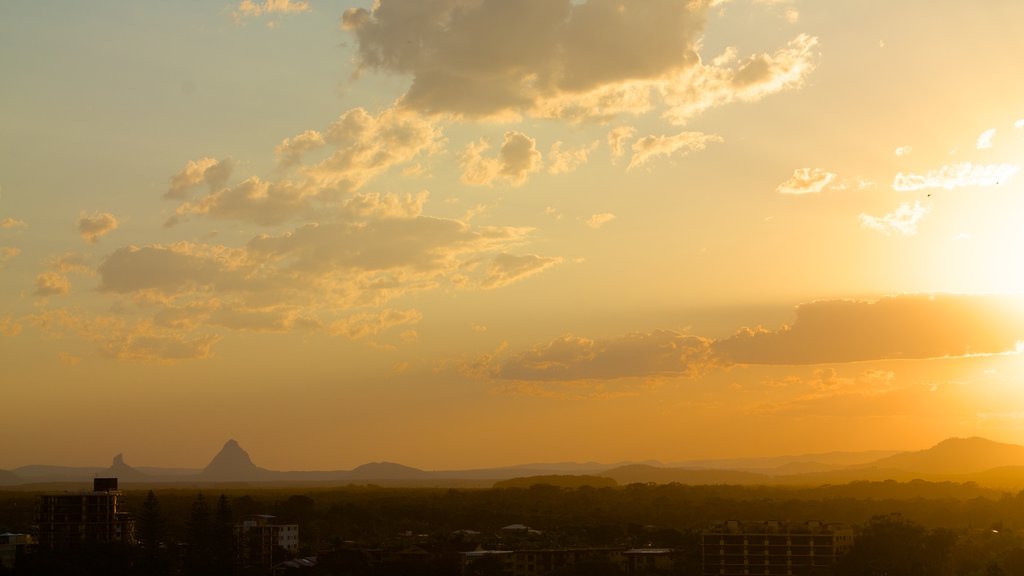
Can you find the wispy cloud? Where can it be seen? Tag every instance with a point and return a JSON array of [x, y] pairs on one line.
[[902, 220], [807, 181], [959, 175]]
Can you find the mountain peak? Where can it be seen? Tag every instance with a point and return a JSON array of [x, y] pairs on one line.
[[957, 456], [232, 463]]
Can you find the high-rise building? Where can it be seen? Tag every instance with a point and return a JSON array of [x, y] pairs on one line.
[[74, 519], [772, 548], [260, 536]]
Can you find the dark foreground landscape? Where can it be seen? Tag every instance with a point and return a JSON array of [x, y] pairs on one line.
[[900, 528]]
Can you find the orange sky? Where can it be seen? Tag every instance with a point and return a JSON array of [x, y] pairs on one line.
[[467, 233]]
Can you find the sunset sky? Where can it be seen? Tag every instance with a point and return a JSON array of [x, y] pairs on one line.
[[472, 233]]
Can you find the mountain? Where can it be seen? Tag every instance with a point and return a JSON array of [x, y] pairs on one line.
[[776, 465], [8, 478], [386, 471], [34, 473], [232, 464], [123, 472], [642, 473], [956, 456]]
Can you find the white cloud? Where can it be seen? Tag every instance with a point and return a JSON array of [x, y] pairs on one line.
[[957, 175], [617, 139], [361, 146], [289, 152], [516, 160], [210, 171], [902, 220], [985, 139], [652, 146], [251, 9], [598, 220], [725, 81], [505, 269], [568, 159], [807, 181], [94, 226], [904, 151]]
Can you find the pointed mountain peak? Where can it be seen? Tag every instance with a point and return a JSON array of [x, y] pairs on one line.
[[119, 469], [232, 463]]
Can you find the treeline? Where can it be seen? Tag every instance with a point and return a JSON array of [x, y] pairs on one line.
[[920, 527]]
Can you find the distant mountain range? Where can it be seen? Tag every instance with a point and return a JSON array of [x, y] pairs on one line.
[[956, 460]]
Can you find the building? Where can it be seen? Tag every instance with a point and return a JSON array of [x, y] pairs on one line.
[[12, 547], [640, 560], [772, 548], [264, 542], [75, 519]]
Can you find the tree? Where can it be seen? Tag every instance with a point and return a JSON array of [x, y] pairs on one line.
[[198, 561], [891, 545], [225, 543], [153, 558]]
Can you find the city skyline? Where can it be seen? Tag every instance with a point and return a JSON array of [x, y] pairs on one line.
[[475, 233]]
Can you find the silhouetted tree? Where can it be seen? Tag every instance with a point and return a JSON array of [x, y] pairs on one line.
[[151, 532], [198, 561], [225, 543], [891, 545]]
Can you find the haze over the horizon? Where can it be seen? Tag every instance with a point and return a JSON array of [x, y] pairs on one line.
[[475, 233]]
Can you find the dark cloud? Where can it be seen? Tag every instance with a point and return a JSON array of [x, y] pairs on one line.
[[906, 326]]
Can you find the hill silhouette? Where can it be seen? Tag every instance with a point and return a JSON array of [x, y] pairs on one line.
[[643, 473], [559, 480], [386, 471], [233, 464], [956, 456], [123, 472]]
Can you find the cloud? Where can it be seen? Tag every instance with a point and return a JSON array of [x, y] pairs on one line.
[[516, 160], [51, 284], [323, 276], [556, 58], [290, 151], [506, 269], [360, 146], [904, 151], [659, 353], [954, 176], [902, 220], [895, 327], [95, 226], [565, 160], [210, 171], [372, 323], [120, 339], [652, 146], [728, 79], [251, 9], [807, 181], [598, 220], [911, 326], [160, 348], [617, 139], [9, 223], [8, 253], [826, 386], [985, 139], [9, 327]]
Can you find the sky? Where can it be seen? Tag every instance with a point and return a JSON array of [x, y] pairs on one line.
[[475, 233]]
